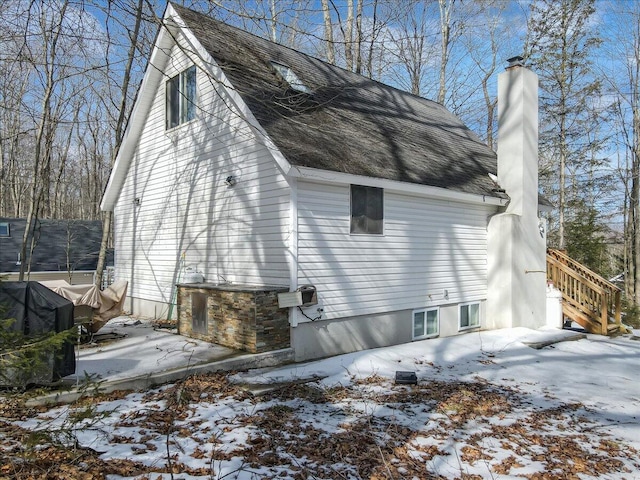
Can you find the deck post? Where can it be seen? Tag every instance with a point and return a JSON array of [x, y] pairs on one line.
[[604, 313]]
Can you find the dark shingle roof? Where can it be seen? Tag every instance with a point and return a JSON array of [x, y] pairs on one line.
[[57, 240], [349, 123]]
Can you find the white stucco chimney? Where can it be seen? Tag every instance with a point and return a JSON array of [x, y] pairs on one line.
[[516, 295], [518, 137]]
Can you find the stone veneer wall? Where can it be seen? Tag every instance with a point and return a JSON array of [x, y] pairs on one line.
[[239, 317]]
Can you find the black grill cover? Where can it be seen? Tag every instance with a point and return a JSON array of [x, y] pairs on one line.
[[38, 310]]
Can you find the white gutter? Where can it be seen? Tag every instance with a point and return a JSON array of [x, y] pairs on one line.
[[315, 174]]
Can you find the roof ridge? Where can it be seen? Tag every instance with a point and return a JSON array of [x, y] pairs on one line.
[[313, 57]]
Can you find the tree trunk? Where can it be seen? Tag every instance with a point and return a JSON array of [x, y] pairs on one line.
[[37, 181], [328, 33], [445, 37], [635, 195], [373, 39], [358, 40], [274, 21], [119, 131], [348, 36]]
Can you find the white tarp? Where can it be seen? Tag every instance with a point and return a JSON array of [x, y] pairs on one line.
[[105, 304]]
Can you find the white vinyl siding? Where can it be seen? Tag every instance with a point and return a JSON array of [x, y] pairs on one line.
[[187, 215], [428, 246]]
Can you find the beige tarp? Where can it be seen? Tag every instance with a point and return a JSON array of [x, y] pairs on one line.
[[104, 304]]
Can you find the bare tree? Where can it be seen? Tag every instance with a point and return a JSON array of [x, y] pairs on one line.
[[328, 33], [122, 113], [559, 47], [488, 24], [409, 43], [446, 9], [622, 75], [51, 31]]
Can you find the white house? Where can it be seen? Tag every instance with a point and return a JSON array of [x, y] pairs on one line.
[[262, 167]]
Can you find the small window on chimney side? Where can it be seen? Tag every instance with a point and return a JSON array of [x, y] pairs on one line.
[[290, 77], [4, 229]]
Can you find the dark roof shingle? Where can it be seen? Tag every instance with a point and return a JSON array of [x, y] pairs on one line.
[[348, 123], [59, 243]]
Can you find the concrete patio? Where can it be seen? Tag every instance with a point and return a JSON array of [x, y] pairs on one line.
[[131, 354]]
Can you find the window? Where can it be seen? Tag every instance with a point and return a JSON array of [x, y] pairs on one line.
[[469, 315], [4, 229], [181, 97], [290, 77], [425, 323], [366, 210]]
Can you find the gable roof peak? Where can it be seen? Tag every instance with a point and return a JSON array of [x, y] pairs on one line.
[[346, 123]]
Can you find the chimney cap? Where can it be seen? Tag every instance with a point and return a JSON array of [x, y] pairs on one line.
[[516, 61]]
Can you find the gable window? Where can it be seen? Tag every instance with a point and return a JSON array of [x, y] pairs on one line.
[[366, 210], [290, 77], [4, 229], [469, 315], [425, 323], [181, 97]]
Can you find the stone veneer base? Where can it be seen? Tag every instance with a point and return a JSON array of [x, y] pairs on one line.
[[241, 317]]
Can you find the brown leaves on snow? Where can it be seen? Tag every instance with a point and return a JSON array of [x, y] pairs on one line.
[[378, 431]]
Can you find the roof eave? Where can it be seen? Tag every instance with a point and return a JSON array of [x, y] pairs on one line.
[[137, 118], [150, 81], [315, 174]]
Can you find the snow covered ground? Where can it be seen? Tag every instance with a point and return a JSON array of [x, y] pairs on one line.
[[486, 406], [140, 349]]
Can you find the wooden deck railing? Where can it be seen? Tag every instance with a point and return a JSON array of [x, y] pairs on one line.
[[588, 298]]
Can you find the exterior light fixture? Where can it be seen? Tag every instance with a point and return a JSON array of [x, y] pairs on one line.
[[230, 181]]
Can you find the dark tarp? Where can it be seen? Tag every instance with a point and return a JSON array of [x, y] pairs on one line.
[[38, 310]]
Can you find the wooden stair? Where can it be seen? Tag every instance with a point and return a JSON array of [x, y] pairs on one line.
[[587, 298]]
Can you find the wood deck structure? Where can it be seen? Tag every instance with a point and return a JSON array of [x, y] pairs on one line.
[[587, 298]]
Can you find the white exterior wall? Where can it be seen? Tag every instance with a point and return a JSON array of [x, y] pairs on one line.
[[428, 246], [237, 234]]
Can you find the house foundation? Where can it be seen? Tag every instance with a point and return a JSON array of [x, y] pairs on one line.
[[235, 316]]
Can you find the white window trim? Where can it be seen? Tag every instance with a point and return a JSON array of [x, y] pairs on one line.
[[470, 327], [6, 224], [182, 99], [425, 311]]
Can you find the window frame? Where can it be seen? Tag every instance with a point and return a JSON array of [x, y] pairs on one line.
[[468, 305], [180, 98], [5, 225], [354, 220], [425, 329]]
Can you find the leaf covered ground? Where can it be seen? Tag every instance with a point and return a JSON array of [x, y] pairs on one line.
[[208, 427]]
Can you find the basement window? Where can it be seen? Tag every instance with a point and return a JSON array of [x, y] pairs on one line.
[[469, 316], [181, 98], [425, 323], [366, 210], [290, 77], [4, 229]]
